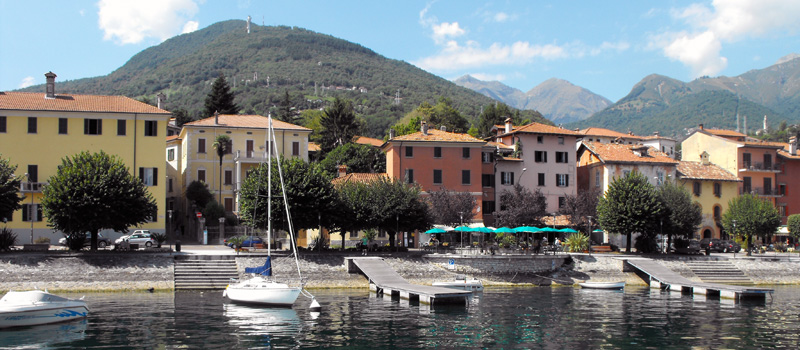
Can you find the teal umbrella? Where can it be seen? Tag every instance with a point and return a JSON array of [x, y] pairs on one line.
[[527, 229], [505, 230], [435, 230], [567, 230], [481, 229]]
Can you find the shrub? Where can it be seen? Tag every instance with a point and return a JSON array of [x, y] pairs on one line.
[[647, 244], [7, 239], [577, 242], [160, 238], [76, 241], [42, 240]]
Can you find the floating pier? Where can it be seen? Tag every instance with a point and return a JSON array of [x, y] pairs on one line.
[[664, 278], [384, 280]]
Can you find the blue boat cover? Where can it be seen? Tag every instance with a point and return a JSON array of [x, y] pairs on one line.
[[265, 270]]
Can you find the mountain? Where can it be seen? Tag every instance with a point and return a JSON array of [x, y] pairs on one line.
[[659, 103], [271, 60], [558, 100]]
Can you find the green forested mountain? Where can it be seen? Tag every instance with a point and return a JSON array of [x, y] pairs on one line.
[[264, 64]]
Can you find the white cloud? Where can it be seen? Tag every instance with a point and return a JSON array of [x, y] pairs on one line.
[[27, 81], [488, 77], [190, 27], [446, 30], [501, 17], [82, 12], [609, 46], [455, 56], [130, 22], [725, 22]]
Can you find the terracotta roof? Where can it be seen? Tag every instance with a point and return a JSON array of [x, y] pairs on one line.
[[436, 135], [368, 141], [785, 154], [538, 128], [360, 177], [698, 171], [173, 138], [765, 144], [313, 147], [723, 132], [616, 153], [500, 145], [35, 101], [245, 121], [607, 133], [656, 137]]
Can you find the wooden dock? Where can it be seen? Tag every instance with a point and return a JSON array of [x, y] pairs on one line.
[[384, 280], [664, 278]]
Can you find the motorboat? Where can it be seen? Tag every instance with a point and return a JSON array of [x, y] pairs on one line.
[[603, 285], [463, 283], [35, 307], [262, 290]]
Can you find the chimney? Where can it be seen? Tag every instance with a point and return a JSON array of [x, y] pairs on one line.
[[51, 85], [216, 118], [508, 125], [424, 128], [391, 134], [160, 97], [700, 126], [443, 128], [342, 170], [704, 158], [655, 133], [793, 145]]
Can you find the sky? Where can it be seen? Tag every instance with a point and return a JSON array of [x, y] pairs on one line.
[[603, 46]]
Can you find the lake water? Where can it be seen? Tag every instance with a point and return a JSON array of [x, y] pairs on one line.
[[534, 317]]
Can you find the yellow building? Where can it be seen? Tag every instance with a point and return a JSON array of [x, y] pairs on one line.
[[712, 187], [38, 130], [191, 156]]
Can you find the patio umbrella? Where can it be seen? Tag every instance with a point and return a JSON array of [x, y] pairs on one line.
[[567, 230], [505, 230], [527, 229], [435, 230], [462, 229]]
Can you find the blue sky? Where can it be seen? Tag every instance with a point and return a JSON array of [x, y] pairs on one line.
[[604, 46]]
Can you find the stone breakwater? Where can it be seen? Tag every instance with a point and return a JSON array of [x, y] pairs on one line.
[[134, 271]]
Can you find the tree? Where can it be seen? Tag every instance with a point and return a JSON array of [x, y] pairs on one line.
[[93, 192], [521, 207], [286, 111], [220, 99], [198, 193], [681, 216], [222, 143], [493, 114], [580, 207], [451, 208], [753, 216], [181, 117], [339, 125], [441, 114], [358, 158], [411, 127], [793, 224], [9, 190], [630, 205]]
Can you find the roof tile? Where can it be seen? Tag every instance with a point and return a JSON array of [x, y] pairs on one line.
[[698, 171], [617, 153], [437, 135], [245, 121], [35, 101]]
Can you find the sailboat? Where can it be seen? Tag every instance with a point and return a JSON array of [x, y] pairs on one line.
[[262, 288]]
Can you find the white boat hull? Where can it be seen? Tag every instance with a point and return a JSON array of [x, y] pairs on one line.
[[470, 285], [602, 285], [263, 292], [31, 308]]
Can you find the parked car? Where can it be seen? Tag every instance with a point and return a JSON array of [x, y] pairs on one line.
[[249, 241], [730, 246], [102, 242], [683, 246], [714, 244], [140, 237]]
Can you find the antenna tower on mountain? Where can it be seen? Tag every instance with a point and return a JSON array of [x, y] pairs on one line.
[[397, 97], [248, 24]]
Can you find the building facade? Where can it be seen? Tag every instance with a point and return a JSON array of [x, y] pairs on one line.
[[712, 187]]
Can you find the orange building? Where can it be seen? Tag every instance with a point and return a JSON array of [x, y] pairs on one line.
[[789, 159]]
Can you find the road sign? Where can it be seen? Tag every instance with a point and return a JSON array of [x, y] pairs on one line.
[[199, 214], [451, 264]]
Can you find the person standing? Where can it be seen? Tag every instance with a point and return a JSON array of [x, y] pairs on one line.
[[364, 245]]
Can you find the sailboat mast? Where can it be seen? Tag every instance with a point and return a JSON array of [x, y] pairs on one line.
[[269, 186]]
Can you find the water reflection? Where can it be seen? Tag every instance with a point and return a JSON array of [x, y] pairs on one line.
[[43, 336]]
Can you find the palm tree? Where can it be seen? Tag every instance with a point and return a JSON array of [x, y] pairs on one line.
[[223, 145]]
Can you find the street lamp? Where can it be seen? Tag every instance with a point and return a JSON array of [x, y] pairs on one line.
[[31, 212], [461, 215], [520, 174], [734, 236], [169, 229]]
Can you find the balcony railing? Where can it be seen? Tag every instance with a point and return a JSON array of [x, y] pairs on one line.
[[26, 187], [762, 191], [758, 166]]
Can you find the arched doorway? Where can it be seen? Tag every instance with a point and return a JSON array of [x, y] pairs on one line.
[[707, 233]]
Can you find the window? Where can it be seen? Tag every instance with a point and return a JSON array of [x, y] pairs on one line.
[[768, 186], [3, 127], [696, 187], [465, 177], [747, 184], [767, 161], [437, 152], [228, 204], [149, 176], [540, 157], [487, 157], [353, 234], [437, 176], [562, 180], [150, 128], [122, 125], [228, 177], [169, 185], [31, 125], [562, 157], [746, 160], [562, 201], [33, 173], [597, 178], [295, 148], [201, 175], [171, 154], [539, 139], [717, 189], [541, 179], [782, 189], [561, 140], [201, 145], [506, 178], [782, 210], [659, 177], [409, 176], [465, 153], [154, 215], [92, 126], [250, 148], [31, 211], [489, 207], [409, 152], [717, 213], [487, 180], [62, 126]]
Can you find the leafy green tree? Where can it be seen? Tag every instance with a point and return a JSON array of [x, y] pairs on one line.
[[754, 217], [9, 190], [220, 99], [358, 158], [198, 193], [222, 144], [92, 192], [339, 125], [493, 114], [181, 117], [521, 207], [212, 212], [580, 207], [681, 217], [630, 205], [793, 224], [451, 208], [286, 111], [441, 114], [411, 127]]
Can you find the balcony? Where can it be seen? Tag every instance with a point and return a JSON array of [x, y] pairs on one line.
[[28, 187], [761, 167], [762, 191]]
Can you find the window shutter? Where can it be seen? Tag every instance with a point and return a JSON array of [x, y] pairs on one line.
[[155, 176], [99, 126], [512, 178], [141, 174]]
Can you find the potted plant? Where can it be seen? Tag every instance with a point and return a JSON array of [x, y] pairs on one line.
[[577, 242]]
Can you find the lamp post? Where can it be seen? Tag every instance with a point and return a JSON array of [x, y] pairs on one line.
[[461, 215], [734, 236], [169, 229], [31, 212]]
